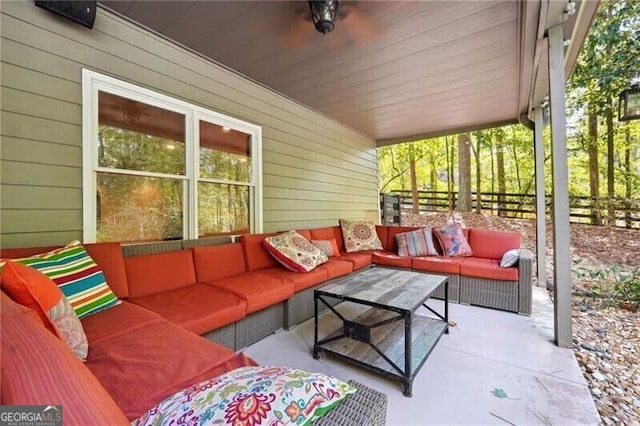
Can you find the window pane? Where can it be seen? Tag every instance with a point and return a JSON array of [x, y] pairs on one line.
[[222, 209], [137, 136], [224, 153], [135, 208]]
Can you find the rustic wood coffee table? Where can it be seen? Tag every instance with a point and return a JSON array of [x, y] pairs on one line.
[[389, 338]]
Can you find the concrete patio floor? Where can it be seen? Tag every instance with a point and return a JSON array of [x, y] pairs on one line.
[[492, 368]]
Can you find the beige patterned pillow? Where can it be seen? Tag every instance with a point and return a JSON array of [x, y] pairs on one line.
[[294, 251], [359, 235], [69, 327]]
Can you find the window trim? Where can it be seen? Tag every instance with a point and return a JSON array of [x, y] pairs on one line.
[[92, 82]]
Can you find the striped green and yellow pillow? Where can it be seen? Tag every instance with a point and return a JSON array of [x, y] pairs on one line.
[[77, 275]]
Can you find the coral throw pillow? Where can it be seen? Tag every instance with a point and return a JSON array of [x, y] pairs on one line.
[[452, 241], [359, 235], [328, 247], [294, 251], [252, 396], [416, 243], [77, 275], [35, 290]]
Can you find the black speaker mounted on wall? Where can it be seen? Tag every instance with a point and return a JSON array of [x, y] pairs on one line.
[[80, 11]]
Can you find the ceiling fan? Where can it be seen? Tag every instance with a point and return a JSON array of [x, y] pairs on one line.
[[353, 21], [324, 14]]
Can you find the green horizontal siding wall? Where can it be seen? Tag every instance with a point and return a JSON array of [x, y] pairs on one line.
[[315, 170]]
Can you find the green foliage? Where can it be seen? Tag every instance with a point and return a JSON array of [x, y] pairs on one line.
[[614, 285]]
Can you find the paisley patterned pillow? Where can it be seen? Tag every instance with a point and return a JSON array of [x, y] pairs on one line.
[[252, 396], [359, 235], [294, 251], [453, 241]]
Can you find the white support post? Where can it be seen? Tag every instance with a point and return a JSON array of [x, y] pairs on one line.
[[541, 208], [561, 243]]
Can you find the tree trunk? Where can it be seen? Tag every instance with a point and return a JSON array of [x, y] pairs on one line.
[[611, 206], [414, 182], [476, 153], [464, 173], [627, 177], [452, 180], [501, 181], [594, 179]]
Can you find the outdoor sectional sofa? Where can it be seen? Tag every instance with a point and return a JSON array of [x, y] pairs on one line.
[[233, 293]]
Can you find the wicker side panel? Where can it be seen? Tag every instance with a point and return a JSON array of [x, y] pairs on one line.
[[225, 336], [366, 407], [454, 289], [151, 248], [259, 325], [213, 241], [525, 282], [490, 293], [298, 308]]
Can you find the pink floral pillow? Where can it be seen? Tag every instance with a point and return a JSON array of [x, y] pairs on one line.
[[453, 241], [359, 235], [294, 251]]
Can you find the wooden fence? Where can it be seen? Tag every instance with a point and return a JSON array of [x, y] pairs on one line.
[[581, 209]]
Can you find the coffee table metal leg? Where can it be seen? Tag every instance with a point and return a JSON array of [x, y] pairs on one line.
[[446, 306], [315, 327], [407, 355]]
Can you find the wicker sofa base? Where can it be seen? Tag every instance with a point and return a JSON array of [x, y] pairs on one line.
[[367, 407], [225, 336], [300, 307], [489, 293], [454, 287], [258, 325]]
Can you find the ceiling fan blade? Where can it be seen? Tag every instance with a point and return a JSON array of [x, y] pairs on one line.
[[298, 33], [360, 26]]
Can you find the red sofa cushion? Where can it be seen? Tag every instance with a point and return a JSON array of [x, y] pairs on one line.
[[299, 280], [198, 308], [359, 259], [492, 244], [336, 268], [255, 256], [256, 290], [306, 233], [17, 253], [487, 268], [155, 273], [382, 232], [110, 259], [39, 369], [443, 265], [388, 258], [140, 369], [120, 319], [327, 233], [219, 261]]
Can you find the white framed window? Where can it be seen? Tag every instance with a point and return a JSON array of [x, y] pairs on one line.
[[158, 168]]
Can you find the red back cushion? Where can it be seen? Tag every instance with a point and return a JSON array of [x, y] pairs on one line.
[[154, 273], [491, 244], [108, 256], [219, 261], [327, 233], [381, 230], [17, 253], [306, 233], [255, 255]]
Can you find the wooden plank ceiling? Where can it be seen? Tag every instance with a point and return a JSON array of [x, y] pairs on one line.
[[392, 70]]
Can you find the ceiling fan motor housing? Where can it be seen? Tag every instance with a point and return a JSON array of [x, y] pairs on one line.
[[323, 13]]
